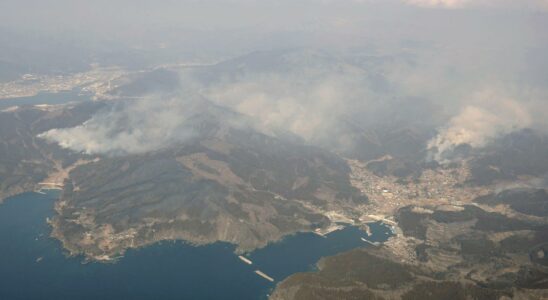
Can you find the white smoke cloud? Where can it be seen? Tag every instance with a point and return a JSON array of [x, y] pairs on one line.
[[400, 57], [313, 100], [140, 126], [309, 101], [486, 117], [306, 106]]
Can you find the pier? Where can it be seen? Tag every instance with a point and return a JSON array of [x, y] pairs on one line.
[[50, 186], [263, 275], [381, 218], [244, 259], [372, 243], [323, 232]]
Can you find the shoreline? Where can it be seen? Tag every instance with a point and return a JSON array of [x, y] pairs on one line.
[[113, 256]]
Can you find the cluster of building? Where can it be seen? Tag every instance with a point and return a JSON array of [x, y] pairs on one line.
[[97, 81], [438, 186]]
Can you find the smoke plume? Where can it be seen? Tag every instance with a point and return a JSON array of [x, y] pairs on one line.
[[132, 127], [487, 117]]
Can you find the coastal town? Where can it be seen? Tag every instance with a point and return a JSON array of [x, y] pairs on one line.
[[441, 186], [97, 81]]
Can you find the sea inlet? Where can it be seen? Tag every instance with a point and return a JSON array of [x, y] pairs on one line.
[[34, 266], [62, 97]]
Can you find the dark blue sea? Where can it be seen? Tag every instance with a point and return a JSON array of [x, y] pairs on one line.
[[34, 266]]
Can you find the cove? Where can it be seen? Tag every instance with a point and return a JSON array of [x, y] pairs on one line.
[[33, 265]]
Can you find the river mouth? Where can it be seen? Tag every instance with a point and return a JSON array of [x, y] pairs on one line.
[[34, 266]]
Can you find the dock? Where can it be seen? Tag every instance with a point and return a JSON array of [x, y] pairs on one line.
[[51, 183], [382, 219], [367, 230], [372, 243], [246, 260], [320, 234], [323, 232], [263, 275], [50, 186]]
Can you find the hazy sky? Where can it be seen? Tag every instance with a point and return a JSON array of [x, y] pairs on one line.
[[113, 15], [483, 62], [241, 26], [260, 24]]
